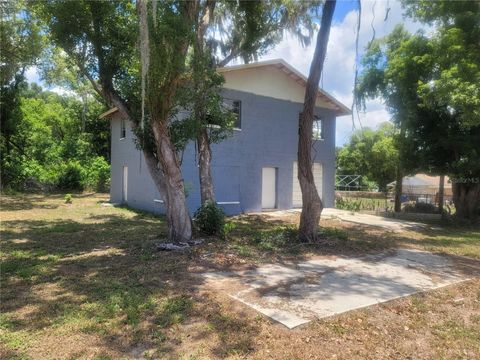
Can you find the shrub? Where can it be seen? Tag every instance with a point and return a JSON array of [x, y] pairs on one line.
[[209, 219], [422, 208], [71, 176], [348, 204], [97, 175], [68, 198]]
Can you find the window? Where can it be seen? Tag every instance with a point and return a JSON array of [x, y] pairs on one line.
[[123, 130], [317, 128], [236, 107]]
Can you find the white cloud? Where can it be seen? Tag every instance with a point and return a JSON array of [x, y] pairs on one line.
[[32, 76], [339, 64], [63, 91]]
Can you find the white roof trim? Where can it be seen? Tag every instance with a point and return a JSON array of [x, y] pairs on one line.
[[280, 63]]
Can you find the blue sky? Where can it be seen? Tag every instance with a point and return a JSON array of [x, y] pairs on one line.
[[339, 64], [338, 71]]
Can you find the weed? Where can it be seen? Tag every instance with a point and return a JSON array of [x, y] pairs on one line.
[[68, 198], [174, 311]]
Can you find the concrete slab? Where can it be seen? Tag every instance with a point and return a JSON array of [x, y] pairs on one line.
[[297, 293], [358, 218], [372, 220]]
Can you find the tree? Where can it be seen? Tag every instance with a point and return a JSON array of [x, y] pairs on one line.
[[372, 154], [100, 37], [312, 205], [454, 92], [21, 45], [431, 85]]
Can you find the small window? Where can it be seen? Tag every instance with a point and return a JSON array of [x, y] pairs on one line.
[[123, 130], [317, 129], [236, 107]]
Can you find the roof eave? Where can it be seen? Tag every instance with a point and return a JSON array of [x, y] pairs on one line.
[[108, 112]]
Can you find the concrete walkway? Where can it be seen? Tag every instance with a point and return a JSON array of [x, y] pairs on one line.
[[359, 218], [373, 220], [297, 293]]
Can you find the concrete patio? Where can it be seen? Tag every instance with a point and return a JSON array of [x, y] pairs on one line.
[[294, 294], [391, 224]]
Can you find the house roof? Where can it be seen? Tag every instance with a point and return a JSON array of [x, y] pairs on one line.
[[289, 71], [293, 74], [423, 181]]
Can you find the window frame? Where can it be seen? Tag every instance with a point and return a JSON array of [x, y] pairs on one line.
[[231, 103], [316, 120]]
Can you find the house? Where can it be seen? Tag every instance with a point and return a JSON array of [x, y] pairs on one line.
[[254, 169]]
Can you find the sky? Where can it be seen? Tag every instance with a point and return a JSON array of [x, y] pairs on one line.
[[338, 73]]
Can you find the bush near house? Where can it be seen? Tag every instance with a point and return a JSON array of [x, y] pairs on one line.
[[209, 219]]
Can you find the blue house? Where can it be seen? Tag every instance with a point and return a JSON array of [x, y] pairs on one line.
[[256, 168]]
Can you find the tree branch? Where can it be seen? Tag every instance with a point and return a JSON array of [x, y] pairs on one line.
[[233, 54]]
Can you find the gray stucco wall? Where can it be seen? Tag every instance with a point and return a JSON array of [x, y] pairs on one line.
[[268, 138]]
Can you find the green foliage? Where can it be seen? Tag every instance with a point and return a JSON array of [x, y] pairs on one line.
[[21, 46], [358, 204], [228, 227], [51, 150], [431, 85], [347, 204], [97, 175], [372, 154], [278, 237], [210, 218], [68, 198], [70, 176]]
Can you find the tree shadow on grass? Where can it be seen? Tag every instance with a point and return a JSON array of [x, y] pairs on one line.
[[101, 278], [29, 201]]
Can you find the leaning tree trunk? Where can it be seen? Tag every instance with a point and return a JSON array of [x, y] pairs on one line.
[[207, 192], [178, 218], [312, 204], [466, 197]]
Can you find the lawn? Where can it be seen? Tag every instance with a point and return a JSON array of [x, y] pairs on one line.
[[83, 281]]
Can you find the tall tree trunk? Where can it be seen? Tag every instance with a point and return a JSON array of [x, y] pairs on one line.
[[312, 204], [466, 197], [158, 94], [207, 192], [398, 189], [178, 218], [441, 193]]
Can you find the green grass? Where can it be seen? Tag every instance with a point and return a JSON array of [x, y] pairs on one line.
[[173, 311]]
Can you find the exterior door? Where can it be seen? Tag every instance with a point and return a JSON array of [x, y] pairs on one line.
[[269, 185], [125, 185], [317, 177]]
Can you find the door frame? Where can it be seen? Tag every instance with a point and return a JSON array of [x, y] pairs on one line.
[[124, 184]]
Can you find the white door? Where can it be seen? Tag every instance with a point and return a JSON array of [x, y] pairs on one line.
[[269, 187], [125, 185], [317, 177]]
